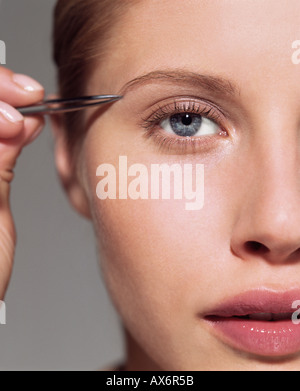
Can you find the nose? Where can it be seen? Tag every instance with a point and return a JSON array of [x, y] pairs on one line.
[[267, 225]]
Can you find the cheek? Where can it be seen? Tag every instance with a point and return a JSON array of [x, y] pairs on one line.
[[159, 265], [159, 260], [156, 248], [147, 263]]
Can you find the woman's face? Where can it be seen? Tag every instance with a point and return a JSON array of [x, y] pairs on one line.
[[221, 91]]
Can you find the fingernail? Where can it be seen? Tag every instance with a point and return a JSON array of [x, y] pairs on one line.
[[27, 83], [9, 113]]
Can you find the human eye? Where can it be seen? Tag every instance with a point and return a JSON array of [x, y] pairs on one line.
[[185, 124]]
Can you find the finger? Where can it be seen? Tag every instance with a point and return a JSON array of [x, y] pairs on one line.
[[10, 149], [18, 89], [33, 127], [8, 237], [11, 121], [12, 124]]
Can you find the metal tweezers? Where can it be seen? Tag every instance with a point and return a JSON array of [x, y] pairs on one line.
[[54, 106]]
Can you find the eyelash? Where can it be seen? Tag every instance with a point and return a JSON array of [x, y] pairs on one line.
[[185, 144]]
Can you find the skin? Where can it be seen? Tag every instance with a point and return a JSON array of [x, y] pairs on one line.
[[15, 133], [165, 267]]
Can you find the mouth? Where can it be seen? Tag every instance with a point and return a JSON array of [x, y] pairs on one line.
[[260, 322]]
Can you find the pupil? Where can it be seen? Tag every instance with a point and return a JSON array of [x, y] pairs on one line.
[[186, 119]]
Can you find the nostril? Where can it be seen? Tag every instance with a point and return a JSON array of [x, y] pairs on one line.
[[256, 247]]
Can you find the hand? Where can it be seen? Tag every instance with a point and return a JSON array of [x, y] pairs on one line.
[[15, 132]]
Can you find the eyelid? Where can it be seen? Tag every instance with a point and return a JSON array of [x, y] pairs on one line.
[[184, 144], [194, 105]]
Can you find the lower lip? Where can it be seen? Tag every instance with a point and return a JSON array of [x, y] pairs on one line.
[[277, 338]]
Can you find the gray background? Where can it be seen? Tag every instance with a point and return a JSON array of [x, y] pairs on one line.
[[58, 314]]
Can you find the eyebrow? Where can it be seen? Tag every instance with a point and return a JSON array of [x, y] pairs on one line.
[[215, 84]]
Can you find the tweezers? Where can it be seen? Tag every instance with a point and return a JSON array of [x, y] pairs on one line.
[[54, 106]]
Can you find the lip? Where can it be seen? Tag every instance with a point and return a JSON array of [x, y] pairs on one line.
[[280, 337]]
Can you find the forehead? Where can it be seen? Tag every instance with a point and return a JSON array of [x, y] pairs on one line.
[[239, 39]]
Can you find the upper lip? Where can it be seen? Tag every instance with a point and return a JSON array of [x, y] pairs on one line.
[[257, 301]]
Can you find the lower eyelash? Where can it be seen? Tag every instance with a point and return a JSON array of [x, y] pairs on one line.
[[165, 143]]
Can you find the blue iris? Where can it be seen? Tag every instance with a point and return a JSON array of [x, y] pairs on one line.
[[185, 124]]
